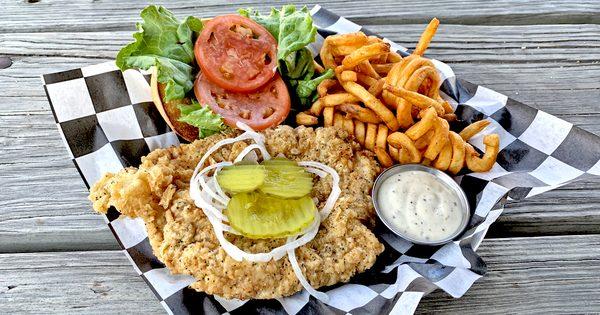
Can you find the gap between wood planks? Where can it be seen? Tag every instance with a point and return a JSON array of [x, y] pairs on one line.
[[474, 12], [521, 223], [28, 224], [16, 57], [525, 275]]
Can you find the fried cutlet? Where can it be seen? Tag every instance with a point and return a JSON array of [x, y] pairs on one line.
[[183, 239]]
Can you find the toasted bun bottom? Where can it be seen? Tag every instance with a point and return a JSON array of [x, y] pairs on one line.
[[169, 110]]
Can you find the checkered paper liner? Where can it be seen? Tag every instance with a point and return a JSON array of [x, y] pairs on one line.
[[108, 121]]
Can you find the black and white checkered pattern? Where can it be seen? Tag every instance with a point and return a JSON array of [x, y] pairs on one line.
[[108, 122]]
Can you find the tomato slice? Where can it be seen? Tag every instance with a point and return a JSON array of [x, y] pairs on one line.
[[236, 53], [261, 109]]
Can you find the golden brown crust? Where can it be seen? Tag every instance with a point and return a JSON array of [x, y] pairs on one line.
[[183, 239]]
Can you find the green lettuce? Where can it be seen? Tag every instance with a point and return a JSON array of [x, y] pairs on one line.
[[294, 31], [165, 42], [202, 117]]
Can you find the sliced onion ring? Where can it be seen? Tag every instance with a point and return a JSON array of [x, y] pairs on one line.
[[335, 186]]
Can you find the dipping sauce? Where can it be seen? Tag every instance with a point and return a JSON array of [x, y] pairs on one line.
[[420, 206]]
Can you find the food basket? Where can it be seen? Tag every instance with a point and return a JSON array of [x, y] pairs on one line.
[[108, 121]]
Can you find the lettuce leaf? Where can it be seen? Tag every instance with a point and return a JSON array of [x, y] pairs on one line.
[[306, 88], [294, 30], [165, 42], [202, 117]]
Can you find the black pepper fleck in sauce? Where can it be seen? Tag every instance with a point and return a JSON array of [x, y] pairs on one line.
[[420, 205]]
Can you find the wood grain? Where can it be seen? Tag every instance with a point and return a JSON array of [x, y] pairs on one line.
[[102, 15], [553, 66], [530, 275], [526, 275], [44, 202], [564, 59], [97, 282]]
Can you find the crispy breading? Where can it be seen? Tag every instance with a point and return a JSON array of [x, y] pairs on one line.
[[183, 239]]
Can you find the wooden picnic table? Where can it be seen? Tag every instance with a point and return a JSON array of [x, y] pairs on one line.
[[58, 256]]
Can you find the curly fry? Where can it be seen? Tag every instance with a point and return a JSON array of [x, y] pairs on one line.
[[377, 88], [473, 129], [397, 71], [447, 107], [373, 39], [422, 142], [306, 119], [325, 85], [404, 114], [370, 136], [458, 153], [318, 68], [393, 79], [419, 76], [393, 57], [348, 125], [382, 134], [414, 83], [400, 140], [316, 108], [383, 68], [338, 98], [416, 99], [426, 37], [394, 153], [348, 39], [360, 113], [372, 103], [384, 158], [381, 59], [409, 68], [343, 50], [338, 120], [328, 116], [449, 117], [365, 79], [426, 87], [423, 126], [486, 162], [372, 108], [348, 75], [440, 137], [442, 162], [403, 156], [364, 53], [359, 132], [366, 68], [327, 55]]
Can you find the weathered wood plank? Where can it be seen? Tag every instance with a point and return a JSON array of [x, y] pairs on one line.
[[43, 203], [566, 62], [77, 282], [530, 275], [452, 43], [101, 15], [525, 275], [546, 212]]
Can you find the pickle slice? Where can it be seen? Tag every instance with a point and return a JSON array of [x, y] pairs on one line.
[[286, 179], [256, 215], [279, 161], [241, 178]]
